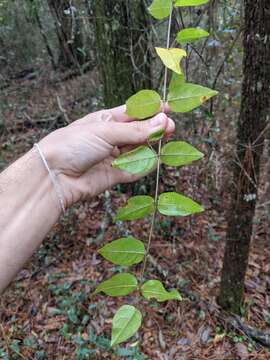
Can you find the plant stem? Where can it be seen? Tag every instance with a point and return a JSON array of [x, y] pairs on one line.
[[167, 47], [151, 232]]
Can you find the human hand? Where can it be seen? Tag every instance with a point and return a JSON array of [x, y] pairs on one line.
[[81, 153]]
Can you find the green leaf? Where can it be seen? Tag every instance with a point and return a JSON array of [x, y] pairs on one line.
[[118, 285], [155, 289], [176, 81], [160, 9], [179, 3], [136, 208], [173, 204], [190, 35], [72, 315], [126, 322], [125, 251], [187, 97], [171, 58], [156, 135], [144, 104], [138, 161], [179, 153]]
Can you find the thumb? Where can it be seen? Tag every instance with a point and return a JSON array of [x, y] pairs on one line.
[[138, 132]]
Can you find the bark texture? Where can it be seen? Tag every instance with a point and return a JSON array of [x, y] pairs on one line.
[[254, 117], [68, 30], [43, 33], [122, 48]]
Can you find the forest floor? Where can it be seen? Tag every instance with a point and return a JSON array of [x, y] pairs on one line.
[[49, 311]]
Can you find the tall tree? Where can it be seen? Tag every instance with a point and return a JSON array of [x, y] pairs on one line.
[[122, 47], [68, 30], [254, 116], [35, 13]]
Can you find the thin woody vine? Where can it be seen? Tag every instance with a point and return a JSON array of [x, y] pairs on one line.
[[181, 97]]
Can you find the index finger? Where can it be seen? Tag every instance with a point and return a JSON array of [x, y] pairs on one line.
[[119, 113]]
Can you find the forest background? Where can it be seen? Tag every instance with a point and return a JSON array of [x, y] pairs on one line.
[[62, 59]]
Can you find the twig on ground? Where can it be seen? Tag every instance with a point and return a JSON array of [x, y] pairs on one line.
[[63, 111], [229, 320], [253, 333]]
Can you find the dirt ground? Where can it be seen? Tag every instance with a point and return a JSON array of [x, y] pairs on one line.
[[49, 311]]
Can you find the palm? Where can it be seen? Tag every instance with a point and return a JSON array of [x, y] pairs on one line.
[[102, 176], [86, 148]]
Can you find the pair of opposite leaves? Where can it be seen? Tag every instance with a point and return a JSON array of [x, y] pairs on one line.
[[125, 283], [182, 96], [142, 160], [160, 9], [125, 252]]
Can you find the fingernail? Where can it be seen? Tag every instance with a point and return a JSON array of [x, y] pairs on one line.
[[170, 126], [158, 120]]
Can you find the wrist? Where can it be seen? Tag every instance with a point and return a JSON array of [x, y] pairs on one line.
[[29, 209], [53, 178], [28, 178], [53, 154], [50, 149]]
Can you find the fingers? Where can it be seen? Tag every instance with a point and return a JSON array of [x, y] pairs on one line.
[[136, 132], [119, 113]]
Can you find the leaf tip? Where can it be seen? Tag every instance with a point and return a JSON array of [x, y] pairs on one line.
[[184, 53], [201, 209], [96, 291], [200, 155], [156, 135], [113, 342], [178, 295], [113, 163]]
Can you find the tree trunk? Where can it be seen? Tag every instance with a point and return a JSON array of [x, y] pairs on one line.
[[68, 33], [254, 116], [43, 33], [122, 47], [89, 9]]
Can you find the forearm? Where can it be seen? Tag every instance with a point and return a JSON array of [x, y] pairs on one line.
[[81, 156], [28, 209]]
